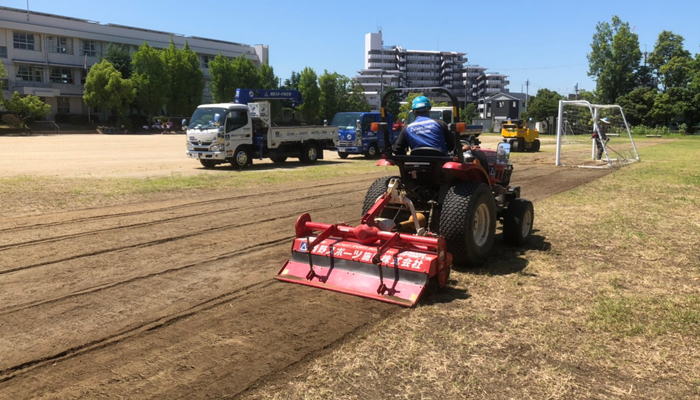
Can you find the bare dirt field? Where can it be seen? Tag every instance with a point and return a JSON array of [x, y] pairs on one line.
[[174, 298]]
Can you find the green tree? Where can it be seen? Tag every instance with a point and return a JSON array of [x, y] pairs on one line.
[[668, 46], [150, 79], [223, 79], [468, 113], [267, 78], [613, 59], [292, 82], [25, 107], [637, 105], [3, 72], [185, 80], [310, 92], [105, 87], [333, 88], [119, 57], [543, 105], [355, 99], [245, 73]]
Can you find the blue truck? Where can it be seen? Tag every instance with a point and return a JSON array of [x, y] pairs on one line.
[[355, 135]]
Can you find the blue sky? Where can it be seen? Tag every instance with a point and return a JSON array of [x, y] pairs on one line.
[[544, 42]]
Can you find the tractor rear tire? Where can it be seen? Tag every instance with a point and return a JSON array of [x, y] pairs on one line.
[[536, 145], [309, 155], [377, 189], [343, 155], [468, 223], [517, 222], [208, 164]]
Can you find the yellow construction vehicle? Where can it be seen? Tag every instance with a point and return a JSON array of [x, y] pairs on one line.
[[520, 136]]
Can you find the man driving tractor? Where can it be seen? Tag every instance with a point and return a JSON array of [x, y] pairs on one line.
[[424, 132]]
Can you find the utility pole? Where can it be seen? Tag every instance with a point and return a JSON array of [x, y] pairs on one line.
[[576, 90], [527, 92]]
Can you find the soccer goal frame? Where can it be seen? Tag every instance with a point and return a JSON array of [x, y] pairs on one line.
[[593, 109]]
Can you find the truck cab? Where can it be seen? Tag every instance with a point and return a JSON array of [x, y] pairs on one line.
[[355, 135], [236, 133]]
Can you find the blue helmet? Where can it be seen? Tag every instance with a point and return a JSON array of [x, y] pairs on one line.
[[420, 102], [605, 120]]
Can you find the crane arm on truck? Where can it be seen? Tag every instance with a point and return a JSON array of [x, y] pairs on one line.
[[245, 96]]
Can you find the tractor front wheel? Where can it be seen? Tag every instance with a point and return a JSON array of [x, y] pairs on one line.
[[377, 189], [517, 222], [468, 223], [521, 145], [343, 155], [536, 145]]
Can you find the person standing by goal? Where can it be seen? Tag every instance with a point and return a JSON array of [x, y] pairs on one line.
[[601, 137]]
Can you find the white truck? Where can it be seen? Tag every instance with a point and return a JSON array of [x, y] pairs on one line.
[[238, 132]]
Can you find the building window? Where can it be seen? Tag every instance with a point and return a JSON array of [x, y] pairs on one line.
[[61, 75], [63, 105], [29, 74], [515, 104], [61, 45], [205, 61], [5, 84], [25, 41], [83, 75], [90, 48], [3, 51], [500, 104]]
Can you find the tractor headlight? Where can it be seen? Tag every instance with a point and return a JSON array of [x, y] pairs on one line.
[[216, 147], [190, 147]]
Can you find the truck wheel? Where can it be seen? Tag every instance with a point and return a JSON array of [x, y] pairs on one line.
[[343, 155], [377, 189], [536, 145], [521, 145], [241, 158], [513, 144], [278, 159], [309, 155], [517, 222], [208, 164], [468, 222], [372, 151]]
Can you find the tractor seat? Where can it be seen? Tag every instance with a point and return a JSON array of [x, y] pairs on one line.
[[427, 151]]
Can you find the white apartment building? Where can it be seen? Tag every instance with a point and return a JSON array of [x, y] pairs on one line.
[[398, 67], [46, 55]]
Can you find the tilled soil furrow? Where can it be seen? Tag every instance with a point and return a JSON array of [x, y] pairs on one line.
[[14, 225], [94, 289], [12, 371], [116, 306], [45, 283], [113, 239], [95, 225]]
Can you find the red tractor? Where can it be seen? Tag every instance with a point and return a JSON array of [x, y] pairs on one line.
[[439, 210]]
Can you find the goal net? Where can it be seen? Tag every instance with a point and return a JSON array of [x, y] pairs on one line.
[[576, 145]]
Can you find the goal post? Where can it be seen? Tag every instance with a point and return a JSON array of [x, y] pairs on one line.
[[578, 120]]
